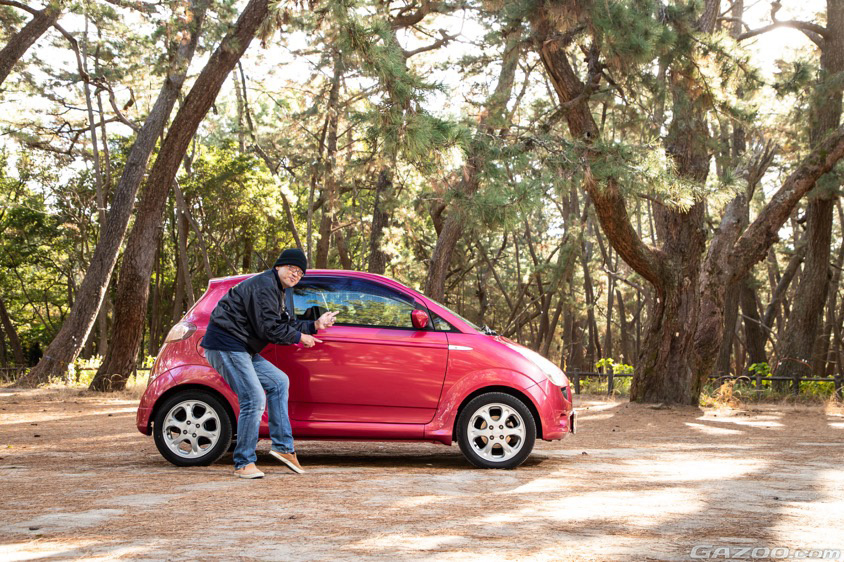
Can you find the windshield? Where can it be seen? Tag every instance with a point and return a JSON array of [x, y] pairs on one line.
[[472, 324]]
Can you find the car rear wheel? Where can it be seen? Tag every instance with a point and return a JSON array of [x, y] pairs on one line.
[[496, 430], [192, 428]]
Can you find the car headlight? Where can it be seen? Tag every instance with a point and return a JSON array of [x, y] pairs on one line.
[[554, 373]]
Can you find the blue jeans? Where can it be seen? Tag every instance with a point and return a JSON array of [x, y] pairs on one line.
[[249, 376]]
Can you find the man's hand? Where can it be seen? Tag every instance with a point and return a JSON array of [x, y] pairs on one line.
[[326, 320], [308, 340]]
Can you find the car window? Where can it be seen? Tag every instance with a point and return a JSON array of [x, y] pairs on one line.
[[359, 302], [440, 324]]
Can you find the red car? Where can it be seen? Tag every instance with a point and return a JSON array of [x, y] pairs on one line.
[[397, 366]]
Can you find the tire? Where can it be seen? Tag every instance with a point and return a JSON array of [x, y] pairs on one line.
[[512, 441], [175, 428]]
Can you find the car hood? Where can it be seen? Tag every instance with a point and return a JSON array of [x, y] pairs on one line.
[[536, 366]]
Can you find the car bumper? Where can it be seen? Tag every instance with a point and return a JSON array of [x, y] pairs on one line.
[[555, 410], [147, 405]]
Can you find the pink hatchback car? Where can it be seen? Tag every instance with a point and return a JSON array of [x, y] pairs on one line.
[[397, 366]]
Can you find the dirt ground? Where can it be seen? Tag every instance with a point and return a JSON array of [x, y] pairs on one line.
[[635, 483]]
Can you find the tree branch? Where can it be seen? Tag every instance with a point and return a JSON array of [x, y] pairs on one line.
[[406, 18], [20, 6], [610, 205], [444, 40], [817, 33], [119, 114], [754, 243], [135, 5]]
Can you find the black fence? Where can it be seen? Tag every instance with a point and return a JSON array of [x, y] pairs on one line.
[[757, 381], [11, 373]]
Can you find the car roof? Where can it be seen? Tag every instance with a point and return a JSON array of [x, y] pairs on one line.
[[234, 279]]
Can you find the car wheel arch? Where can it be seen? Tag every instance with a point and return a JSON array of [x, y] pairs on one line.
[[188, 386], [506, 390]]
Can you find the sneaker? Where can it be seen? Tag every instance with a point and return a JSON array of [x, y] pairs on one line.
[[249, 471], [290, 460]]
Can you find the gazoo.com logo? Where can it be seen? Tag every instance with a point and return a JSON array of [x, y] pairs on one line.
[[714, 552]]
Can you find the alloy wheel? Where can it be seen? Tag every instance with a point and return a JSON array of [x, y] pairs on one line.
[[496, 432], [191, 429]]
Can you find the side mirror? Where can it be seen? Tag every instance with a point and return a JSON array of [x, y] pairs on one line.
[[419, 318]]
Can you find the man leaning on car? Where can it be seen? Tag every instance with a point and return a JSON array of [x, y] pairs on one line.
[[252, 314]]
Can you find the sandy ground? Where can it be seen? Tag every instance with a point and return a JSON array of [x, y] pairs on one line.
[[635, 483]]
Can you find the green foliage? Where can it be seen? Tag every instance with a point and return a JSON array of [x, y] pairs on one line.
[[632, 32], [794, 77], [35, 249], [734, 392], [10, 21], [396, 121], [760, 369], [599, 385], [237, 200], [617, 368], [82, 371], [647, 170]]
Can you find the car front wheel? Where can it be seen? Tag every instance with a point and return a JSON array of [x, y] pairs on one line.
[[192, 428], [496, 430]]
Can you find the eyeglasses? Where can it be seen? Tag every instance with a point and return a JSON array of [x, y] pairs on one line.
[[293, 270]]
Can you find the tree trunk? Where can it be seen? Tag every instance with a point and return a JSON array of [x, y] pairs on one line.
[[329, 206], [182, 256], [102, 317], [831, 355], [821, 357], [731, 308], [9, 328], [4, 360], [798, 342], [664, 371], [133, 287], [493, 118], [200, 239], [26, 37], [627, 350], [778, 292], [74, 331], [593, 346], [801, 332], [380, 219], [608, 343], [754, 335], [154, 321]]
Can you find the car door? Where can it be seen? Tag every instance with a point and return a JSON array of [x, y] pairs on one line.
[[373, 365]]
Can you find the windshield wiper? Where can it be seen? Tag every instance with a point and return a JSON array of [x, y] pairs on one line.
[[489, 331]]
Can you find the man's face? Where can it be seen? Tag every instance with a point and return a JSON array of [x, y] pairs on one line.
[[289, 275]]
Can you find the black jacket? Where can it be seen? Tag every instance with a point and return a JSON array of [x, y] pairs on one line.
[[259, 311]]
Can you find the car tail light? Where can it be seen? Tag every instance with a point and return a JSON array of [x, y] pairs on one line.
[[181, 331]]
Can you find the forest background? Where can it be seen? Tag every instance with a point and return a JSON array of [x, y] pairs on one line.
[[655, 183]]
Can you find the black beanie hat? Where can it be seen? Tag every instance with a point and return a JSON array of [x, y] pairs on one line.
[[293, 256]]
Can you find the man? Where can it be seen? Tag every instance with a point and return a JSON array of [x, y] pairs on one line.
[[254, 313]]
